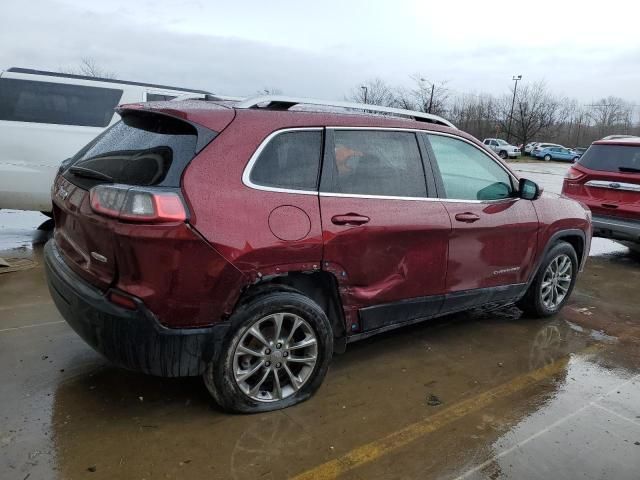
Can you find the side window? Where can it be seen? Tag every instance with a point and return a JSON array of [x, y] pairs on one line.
[[494, 143], [57, 103], [467, 172], [487, 142], [371, 162], [290, 160]]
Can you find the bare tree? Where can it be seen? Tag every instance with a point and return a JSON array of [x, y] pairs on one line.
[[538, 115], [476, 114], [373, 92], [89, 68], [611, 115], [536, 110], [429, 96]]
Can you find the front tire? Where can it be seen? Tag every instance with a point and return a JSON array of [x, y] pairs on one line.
[[553, 283], [276, 354], [547, 158], [503, 155]]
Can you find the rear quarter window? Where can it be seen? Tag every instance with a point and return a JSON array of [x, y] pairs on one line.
[[291, 160], [57, 103], [612, 158]]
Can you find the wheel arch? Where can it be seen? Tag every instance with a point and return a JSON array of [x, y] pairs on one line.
[[575, 237], [320, 286]]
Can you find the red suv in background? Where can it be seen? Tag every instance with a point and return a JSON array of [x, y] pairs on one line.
[[246, 242], [607, 180]]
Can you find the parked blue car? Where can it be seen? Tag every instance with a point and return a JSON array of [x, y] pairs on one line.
[[557, 153]]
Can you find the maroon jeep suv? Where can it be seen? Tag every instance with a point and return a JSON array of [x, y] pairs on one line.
[[248, 241]]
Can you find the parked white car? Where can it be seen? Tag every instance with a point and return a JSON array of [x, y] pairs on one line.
[[502, 148], [529, 147], [46, 117]]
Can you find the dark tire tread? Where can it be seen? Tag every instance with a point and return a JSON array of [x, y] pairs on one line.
[[531, 303], [218, 376]]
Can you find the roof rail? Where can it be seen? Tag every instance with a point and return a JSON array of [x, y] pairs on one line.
[[206, 96], [277, 102]]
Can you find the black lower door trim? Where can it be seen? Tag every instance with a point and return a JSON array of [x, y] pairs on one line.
[[389, 316], [379, 316], [465, 299]]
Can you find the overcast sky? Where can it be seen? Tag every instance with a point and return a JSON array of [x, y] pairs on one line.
[[323, 49]]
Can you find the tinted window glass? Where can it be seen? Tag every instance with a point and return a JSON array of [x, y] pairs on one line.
[[378, 163], [612, 158], [57, 103], [290, 160], [468, 173], [142, 149], [156, 97]]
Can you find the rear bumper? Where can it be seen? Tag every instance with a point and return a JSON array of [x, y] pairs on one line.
[[131, 339], [616, 228]]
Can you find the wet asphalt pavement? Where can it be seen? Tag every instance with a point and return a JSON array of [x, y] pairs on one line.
[[476, 395]]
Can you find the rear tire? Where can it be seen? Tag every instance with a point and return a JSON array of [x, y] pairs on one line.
[[280, 378], [553, 283], [547, 158]]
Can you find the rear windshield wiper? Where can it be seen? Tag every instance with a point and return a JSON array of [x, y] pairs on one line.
[[629, 169], [88, 173]]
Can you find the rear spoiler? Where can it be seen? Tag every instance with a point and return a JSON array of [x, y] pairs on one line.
[[205, 135]]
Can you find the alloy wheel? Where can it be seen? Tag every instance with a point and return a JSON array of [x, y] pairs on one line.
[[556, 281], [275, 357]]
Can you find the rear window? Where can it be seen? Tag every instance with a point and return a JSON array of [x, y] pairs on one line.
[[141, 149], [57, 103], [612, 158]]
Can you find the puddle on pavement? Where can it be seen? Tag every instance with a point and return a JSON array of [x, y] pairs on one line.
[[123, 423], [71, 412], [587, 428]]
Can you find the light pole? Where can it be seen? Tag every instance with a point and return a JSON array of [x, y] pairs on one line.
[[364, 87], [513, 103], [433, 86]]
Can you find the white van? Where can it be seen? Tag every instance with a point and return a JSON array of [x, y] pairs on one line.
[[46, 117]]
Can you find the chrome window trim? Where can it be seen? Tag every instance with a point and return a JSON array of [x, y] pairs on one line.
[[246, 174], [629, 187], [414, 199]]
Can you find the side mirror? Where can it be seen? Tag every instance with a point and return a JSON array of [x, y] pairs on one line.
[[529, 190]]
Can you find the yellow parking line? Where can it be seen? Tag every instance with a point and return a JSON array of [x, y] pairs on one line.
[[383, 446], [10, 329]]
